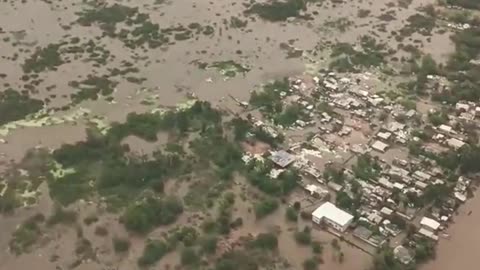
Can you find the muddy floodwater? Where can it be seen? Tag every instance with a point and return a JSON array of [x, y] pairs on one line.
[[168, 75], [458, 249]]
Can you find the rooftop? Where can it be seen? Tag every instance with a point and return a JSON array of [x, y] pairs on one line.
[[455, 143], [282, 158], [331, 212], [430, 223], [403, 254], [380, 146]]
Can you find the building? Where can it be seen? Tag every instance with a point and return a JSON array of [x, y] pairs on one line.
[[429, 224], [445, 128], [332, 216], [334, 186], [316, 191], [422, 176], [384, 135], [428, 234], [395, 126], [282, 158], [380, 146], [455, 143], [386, 211], [462, 107], [402, 254], [421, 185]]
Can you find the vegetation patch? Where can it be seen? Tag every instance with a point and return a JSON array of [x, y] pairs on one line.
[[135, 29], [419, 23], [27, 234], [153, 252], [48, 58], [346, 58], [276, 10], [469, 4], [228, 69], [92, 87], [151, 212], [341, 24], [16, 106]]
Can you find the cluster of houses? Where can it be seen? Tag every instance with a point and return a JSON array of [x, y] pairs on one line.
[[382, 215]]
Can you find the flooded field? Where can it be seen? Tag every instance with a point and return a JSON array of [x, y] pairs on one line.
[[76, 65]]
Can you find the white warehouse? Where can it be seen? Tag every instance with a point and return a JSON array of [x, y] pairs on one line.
[[332, 216]]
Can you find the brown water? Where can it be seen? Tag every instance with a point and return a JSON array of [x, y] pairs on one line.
[[166, 72], [459, 251]]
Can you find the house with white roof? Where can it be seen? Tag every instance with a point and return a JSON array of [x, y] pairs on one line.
[[430, 224], [332, 216]]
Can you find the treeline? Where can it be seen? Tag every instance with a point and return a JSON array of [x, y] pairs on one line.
[[464, 160], [119, 176], [469, 4], [461, 69]]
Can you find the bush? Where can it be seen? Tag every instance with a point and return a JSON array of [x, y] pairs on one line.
[[310, 264], [61, 216], [265, 207], [15, 106], [187, 235], [303, 237], [101, 231], [305, 215], [120, 245], [317, 247], [27, 234], [291, 214], [238, 222], [297, 206], [189, 257], [266, 241], [90, 219], [152, 212], [153, 252], [209, 244]]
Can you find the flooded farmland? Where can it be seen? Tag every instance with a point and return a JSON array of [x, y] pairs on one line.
[[124, 127]]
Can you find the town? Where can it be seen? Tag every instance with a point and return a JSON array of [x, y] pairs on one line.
[[239, 135], [370, 165]]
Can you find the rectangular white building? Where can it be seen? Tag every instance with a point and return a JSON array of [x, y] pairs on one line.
[[380, 146], [332, 216], [430, 224]]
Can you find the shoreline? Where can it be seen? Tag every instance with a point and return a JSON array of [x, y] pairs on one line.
[[463, 235]]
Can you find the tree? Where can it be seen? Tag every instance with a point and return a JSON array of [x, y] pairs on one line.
[[438, 118], [317, 247], [429, 66], [310, 264], [151, 212], [209, 244], [291, 214], [120, 245], [265, 207], [267, 241], [303, 237], [344, 201], [189, 257], [469, 159], [154, 251]]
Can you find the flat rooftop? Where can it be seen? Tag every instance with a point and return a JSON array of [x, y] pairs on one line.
[[333, 213]]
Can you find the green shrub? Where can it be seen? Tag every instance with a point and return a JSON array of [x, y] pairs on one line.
[[153, 252], [121, 245], [265, 207]]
